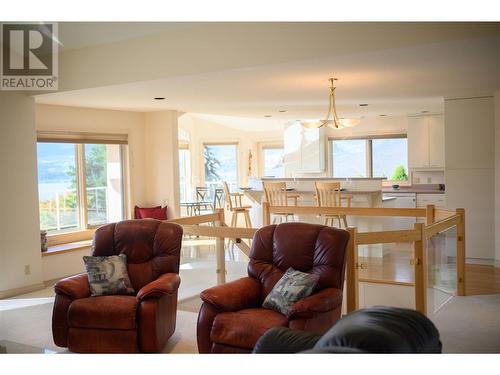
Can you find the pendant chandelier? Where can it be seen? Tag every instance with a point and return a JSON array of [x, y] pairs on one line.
[[332, 120]]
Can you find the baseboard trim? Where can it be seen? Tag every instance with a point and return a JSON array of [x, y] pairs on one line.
[[481, 261], [17, 291], [497, 263]]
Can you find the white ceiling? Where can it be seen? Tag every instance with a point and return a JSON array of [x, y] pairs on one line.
[[393, 82], [75, 35]]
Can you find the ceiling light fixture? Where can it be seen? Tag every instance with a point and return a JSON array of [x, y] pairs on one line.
[[159, 98], [363, 105], [332, 120], [282, 111], [268, 116]]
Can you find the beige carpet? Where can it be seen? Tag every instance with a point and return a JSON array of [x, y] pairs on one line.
[[470, 324], [466, 325], [31, 325]]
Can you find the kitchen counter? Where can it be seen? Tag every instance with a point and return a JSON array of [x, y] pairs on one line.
[[349, 192], [410, 189]]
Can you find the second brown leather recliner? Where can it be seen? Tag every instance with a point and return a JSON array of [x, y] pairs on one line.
[[232, 319]]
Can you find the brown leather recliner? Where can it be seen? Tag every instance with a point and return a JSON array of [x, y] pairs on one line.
[[124, 323], [232, 319]]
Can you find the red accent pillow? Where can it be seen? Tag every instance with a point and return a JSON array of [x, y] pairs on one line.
[[157, 212]]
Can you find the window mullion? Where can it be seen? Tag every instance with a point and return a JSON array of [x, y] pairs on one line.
[[369, 159], [82, 186]]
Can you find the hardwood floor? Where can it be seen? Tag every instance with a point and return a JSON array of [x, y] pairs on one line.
[[480, 279], [395, 266]]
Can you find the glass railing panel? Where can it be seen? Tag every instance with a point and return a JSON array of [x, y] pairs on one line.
[[388, 262], [442, 268]]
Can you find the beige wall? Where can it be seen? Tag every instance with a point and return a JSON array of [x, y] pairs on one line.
[[202, 131], [19, 223], [497, 179], [470, 170], [161, 154]]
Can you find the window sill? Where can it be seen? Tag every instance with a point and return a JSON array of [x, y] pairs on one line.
[[68, 247]]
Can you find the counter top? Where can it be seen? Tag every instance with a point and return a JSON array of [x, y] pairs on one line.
[[313, 192], [410, 190], [321, 178]]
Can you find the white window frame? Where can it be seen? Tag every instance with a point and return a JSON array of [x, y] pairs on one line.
[[223, 143], [85, 231], [261, 161], [369, 153]]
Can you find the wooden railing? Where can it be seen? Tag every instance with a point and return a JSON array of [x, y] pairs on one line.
[[437, 221]]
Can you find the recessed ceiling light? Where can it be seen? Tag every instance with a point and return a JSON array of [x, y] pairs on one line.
[[424, 111], [159, 98], [363, 105], [268, 116], [282, 111], [382, 115]]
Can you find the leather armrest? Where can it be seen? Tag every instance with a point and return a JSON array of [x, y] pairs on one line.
[[75, 287], [233, 296], [322, 301], [168, 283], [282, 340]]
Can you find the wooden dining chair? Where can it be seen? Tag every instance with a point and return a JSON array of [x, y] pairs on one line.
[[277, 195], [328, 194], [235, 206]]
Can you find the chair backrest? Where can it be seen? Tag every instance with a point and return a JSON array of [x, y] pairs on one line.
[[201, 193], [305, 247], [328, 194], [276, 194], [218, 194], [152, 247], [227, 194]]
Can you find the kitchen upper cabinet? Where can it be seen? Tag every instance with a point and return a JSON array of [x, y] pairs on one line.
[[304, 149], [436, 142], [426, 142]]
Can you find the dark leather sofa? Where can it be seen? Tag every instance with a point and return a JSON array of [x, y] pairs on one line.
[[377, 329], [124, 323], [232, 319]]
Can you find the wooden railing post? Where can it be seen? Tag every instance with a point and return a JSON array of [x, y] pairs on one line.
[[266, 215], [420, 267], [222, 219], [430, 214], [352, 292], [219, 251], [461, 252]]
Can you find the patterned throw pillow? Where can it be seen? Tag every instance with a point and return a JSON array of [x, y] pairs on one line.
[[292, 287], [108, 275]]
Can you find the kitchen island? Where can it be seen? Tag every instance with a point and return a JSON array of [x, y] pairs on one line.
[[364, 192]]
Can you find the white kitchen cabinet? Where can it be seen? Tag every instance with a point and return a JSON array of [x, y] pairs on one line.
[[426, 142], [424, 199], [436, 142], [304, 149]]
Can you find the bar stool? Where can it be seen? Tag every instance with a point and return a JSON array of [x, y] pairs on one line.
[[235, 206], [328, 194], [277, 195]]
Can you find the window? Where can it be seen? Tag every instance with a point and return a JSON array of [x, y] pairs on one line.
[[390, 158], [184, 173], [221, 164], [349, 158], [79, 185], [370, 157], [57, 193], [273, 161]]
